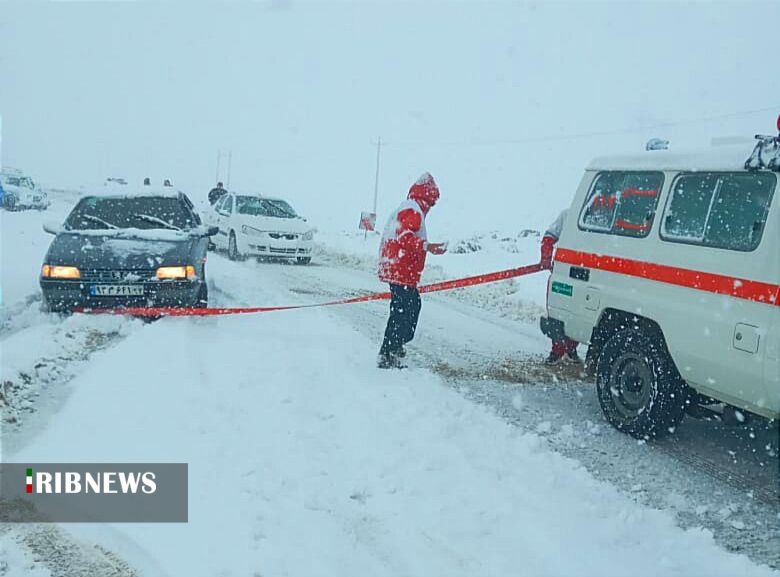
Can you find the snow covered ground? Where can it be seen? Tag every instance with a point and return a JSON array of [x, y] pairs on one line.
[[306, 460]]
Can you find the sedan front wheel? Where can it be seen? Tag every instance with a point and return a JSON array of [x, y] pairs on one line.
[[233, 253]]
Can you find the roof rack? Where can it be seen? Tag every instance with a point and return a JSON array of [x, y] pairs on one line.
[[766, 153]]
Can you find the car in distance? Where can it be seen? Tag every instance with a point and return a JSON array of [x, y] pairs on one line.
[[260, 226], [132, 250], [21, 192]]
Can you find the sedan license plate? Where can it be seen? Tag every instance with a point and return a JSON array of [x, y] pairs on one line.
[[116, 290]]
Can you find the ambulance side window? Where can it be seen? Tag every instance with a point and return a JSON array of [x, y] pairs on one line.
[[622, 203], [686, 213], [719, 210], [740, 210]]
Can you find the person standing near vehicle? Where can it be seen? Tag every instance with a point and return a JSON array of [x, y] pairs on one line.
[[566, 348], [216, 193], [402, 253]]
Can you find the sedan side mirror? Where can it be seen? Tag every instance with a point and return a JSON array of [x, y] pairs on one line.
[[52, 228]]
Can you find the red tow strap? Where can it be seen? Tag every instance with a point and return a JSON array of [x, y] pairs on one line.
[[205, 312]]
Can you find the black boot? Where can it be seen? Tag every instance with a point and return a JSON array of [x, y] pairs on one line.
[[390, 361]]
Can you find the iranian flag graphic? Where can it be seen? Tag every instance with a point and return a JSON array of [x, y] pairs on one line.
[[29, 480]]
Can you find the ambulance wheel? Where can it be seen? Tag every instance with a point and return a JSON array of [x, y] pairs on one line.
[[233, 252], [639, 389]]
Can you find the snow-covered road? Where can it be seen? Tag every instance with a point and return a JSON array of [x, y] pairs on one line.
[[306, 460]]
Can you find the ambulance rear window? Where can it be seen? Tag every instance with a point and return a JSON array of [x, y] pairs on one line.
[[622, 203], [718, 209]]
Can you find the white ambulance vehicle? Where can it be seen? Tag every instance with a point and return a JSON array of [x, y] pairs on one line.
[[668, 266]]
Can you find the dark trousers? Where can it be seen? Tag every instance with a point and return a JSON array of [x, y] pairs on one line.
[[560, 348], [405, 305]]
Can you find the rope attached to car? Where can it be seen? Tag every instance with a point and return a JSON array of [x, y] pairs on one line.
[[155, 312]]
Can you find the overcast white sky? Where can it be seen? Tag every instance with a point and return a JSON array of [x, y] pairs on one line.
[[298, 91]]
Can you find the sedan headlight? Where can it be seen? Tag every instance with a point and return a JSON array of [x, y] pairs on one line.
[[57, 271], [308, 235], [251, 231], [176, 272]]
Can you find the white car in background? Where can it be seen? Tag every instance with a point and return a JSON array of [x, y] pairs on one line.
[[260, 226], [21, 192]]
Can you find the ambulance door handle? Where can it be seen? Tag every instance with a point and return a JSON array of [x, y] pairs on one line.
[[579, 273]]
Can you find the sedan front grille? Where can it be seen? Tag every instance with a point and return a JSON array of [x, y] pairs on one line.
[[118, 275], [284, 235]]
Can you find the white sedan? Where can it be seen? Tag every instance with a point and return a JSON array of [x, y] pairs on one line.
[[260, 226]]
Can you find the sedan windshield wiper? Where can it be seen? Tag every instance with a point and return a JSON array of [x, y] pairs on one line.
[[99, 220], [156, 220]]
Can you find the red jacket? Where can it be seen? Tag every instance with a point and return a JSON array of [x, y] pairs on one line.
[[404, 241]]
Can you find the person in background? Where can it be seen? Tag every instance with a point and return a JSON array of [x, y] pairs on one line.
[[147, 181], [216, 193], [565, 349], [402, 253], [167, 182]]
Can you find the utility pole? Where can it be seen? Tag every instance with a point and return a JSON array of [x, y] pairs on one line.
[[220, 154], [230, 163], [366, 227], [376, 177]]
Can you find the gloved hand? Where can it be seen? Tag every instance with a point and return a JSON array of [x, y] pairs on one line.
[[548, 248], [437, 247]]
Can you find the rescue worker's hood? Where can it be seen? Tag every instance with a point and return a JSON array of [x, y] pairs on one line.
[[124, 249], [425, 191]]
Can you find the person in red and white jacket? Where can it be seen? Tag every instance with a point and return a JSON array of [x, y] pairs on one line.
[[402, 253], [567, 348]]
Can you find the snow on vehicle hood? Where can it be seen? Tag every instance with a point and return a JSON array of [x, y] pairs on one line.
[[159, 234], [272, 224], [128, 248]]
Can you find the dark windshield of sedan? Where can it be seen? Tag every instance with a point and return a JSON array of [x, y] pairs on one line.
[[255, 206], [147, 212]]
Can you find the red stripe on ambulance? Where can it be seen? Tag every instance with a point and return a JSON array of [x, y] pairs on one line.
[[705, 281]]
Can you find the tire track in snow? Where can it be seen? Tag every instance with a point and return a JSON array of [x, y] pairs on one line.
[[40, 359]]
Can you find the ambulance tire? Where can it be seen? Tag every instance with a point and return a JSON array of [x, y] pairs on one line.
[[639, 388]]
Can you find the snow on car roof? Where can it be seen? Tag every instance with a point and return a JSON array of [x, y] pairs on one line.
[[10, 171], [258, 195], [715, 158], [142, 191]]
